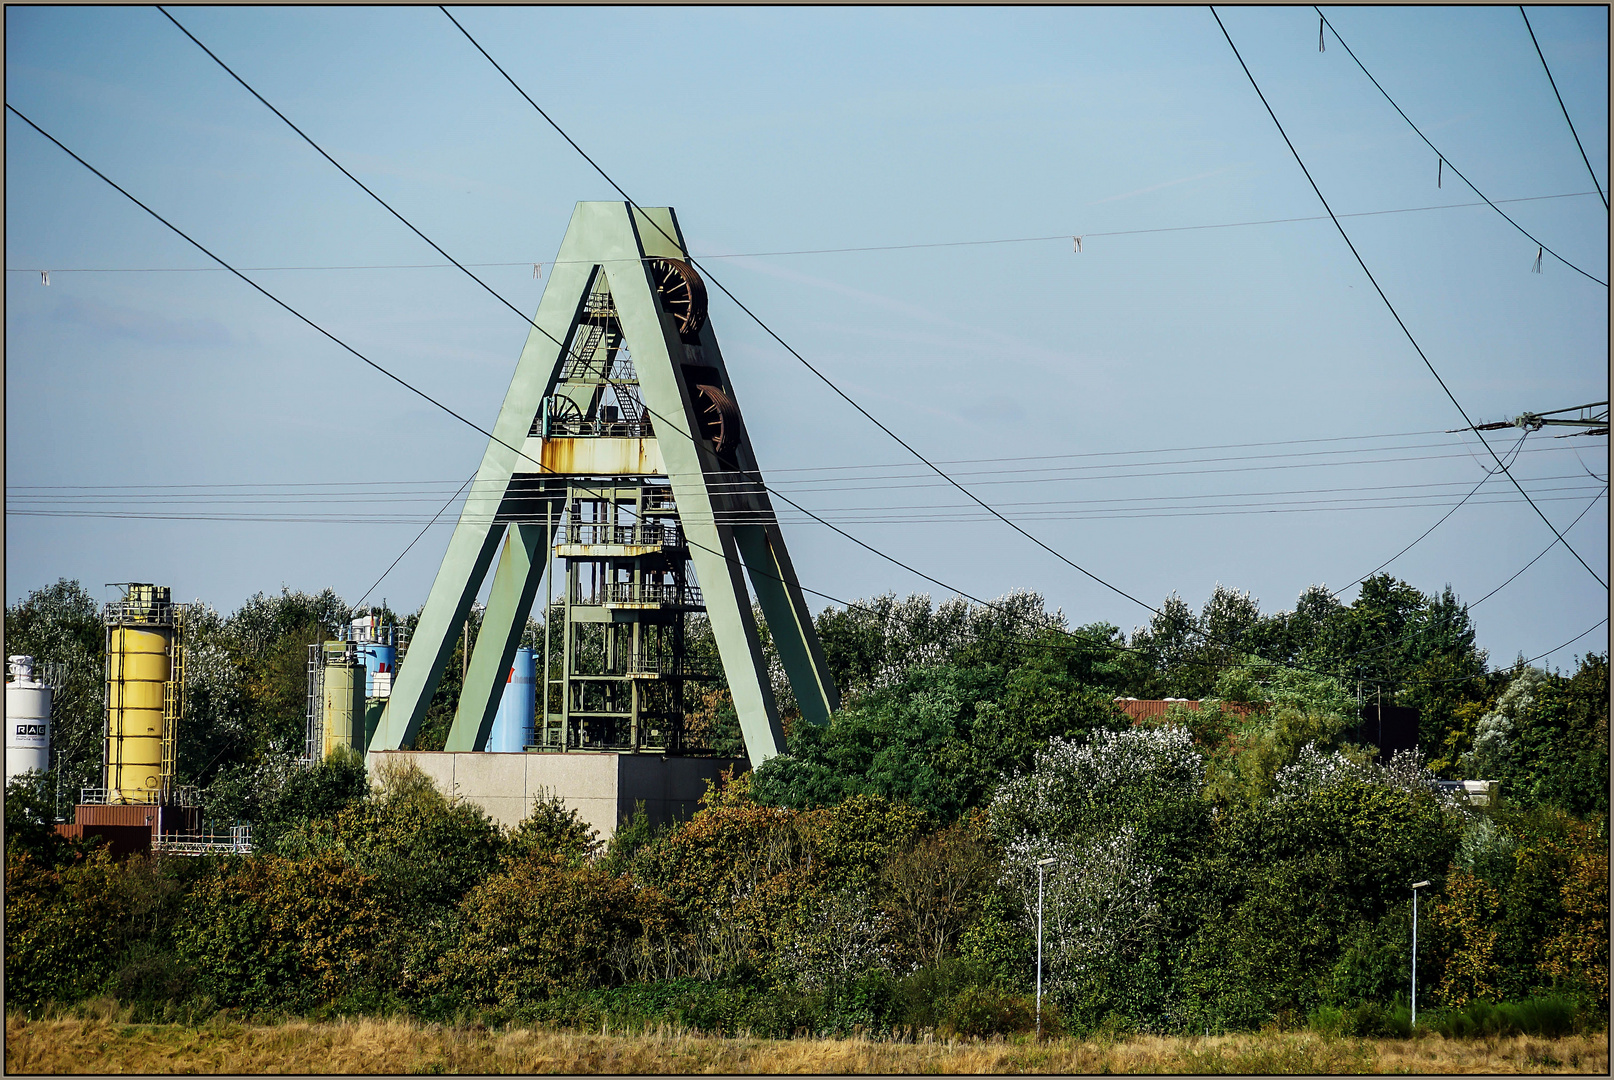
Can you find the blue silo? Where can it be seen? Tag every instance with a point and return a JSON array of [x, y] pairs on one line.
[[512, 724]]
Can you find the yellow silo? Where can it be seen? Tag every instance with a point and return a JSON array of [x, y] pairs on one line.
[[343, 698], [145, 676]]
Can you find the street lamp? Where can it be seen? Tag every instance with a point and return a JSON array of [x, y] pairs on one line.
[[1415, 887], [1042, 869]]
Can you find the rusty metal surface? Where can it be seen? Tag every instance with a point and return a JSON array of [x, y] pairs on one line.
[[683, 294], [598, 457], [720, 417], [142, 814]]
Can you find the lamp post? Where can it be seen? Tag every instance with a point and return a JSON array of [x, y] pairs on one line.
[[1042, 869], [1415, 887]]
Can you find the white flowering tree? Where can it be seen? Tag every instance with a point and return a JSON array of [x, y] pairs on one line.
[[1106, 809], [1314, 771], [1497, 730]]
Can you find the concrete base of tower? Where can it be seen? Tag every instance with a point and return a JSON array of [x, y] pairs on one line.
[[603, 788]]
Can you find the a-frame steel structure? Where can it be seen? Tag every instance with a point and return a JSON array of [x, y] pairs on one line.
[[620, 284]]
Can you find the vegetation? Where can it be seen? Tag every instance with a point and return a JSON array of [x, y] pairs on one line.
[[101, 1041], [1220, 871]]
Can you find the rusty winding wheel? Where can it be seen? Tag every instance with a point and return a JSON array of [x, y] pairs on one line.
[[683, 294], [719, 418]]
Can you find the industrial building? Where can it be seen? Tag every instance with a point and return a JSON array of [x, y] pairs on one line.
[[140, 806], [621, 478]]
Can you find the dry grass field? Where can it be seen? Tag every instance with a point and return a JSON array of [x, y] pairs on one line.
[[107, 1045]]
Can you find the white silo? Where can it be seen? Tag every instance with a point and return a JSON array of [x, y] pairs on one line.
[[28, 702]]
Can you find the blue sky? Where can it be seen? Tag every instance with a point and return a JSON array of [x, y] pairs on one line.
[[1260, 419]]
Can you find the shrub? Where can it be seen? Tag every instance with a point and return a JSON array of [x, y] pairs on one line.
[[542, 927], [983, 1011], [1550, 1016], [270, 934], [64, 927]]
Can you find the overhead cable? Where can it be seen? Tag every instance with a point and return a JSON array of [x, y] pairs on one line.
[[1395, 314], [786, 345], [1544, 550], [801, 251], [410, 545], [1446, 160], [1512, 454], [719, 284], [278, 302], [1565, 108]]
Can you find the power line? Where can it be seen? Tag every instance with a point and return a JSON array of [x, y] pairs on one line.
[[1570, 642], [1564, 107], [411, 544], [719, 284], [510, 513], [805, 468], [1397, 316], [1544, 550], [1062, 237], [397, 491], [371, 363], [785, 345], [279, 302], [1514, 454], [1444, 159], [496, 295], [424, 494]]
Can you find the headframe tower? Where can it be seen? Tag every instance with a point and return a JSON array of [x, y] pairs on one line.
[[622, 451]]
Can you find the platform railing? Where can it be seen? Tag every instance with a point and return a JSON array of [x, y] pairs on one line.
[[188, 795], [238, 841], [642, 534]]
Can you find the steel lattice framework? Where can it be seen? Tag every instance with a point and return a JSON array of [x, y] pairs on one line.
[[621, 450]]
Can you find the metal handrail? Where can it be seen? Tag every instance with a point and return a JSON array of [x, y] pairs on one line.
[[150, 612], [187, 795], [628, 592], [573, 426], [238, 841], [643, 534], [664, 665], [649, 592]]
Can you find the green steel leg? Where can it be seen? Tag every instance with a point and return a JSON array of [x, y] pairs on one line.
[[734, 626], [515, 584], [476, 538], [610, 237], [470, 551], [773, 578]]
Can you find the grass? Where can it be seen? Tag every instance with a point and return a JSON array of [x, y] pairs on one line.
[[101, 1040]]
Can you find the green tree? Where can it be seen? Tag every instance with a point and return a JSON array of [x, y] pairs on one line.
[[61, 624], [1298, 893], [422, 850], [540, 927], [65, 926]]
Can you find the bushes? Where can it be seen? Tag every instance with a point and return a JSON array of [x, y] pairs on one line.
[[1550, 1016], [271, 934], [1369, 1020], [65, 928], [542, 927]]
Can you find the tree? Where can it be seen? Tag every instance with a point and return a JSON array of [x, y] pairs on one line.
[[1119, 812], [65, 926], [935, 889], [551, 831], [61, 624], [541, 927], [422, 850], [1300, 895]]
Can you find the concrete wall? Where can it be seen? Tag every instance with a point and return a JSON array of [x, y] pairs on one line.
[[603, 788]]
